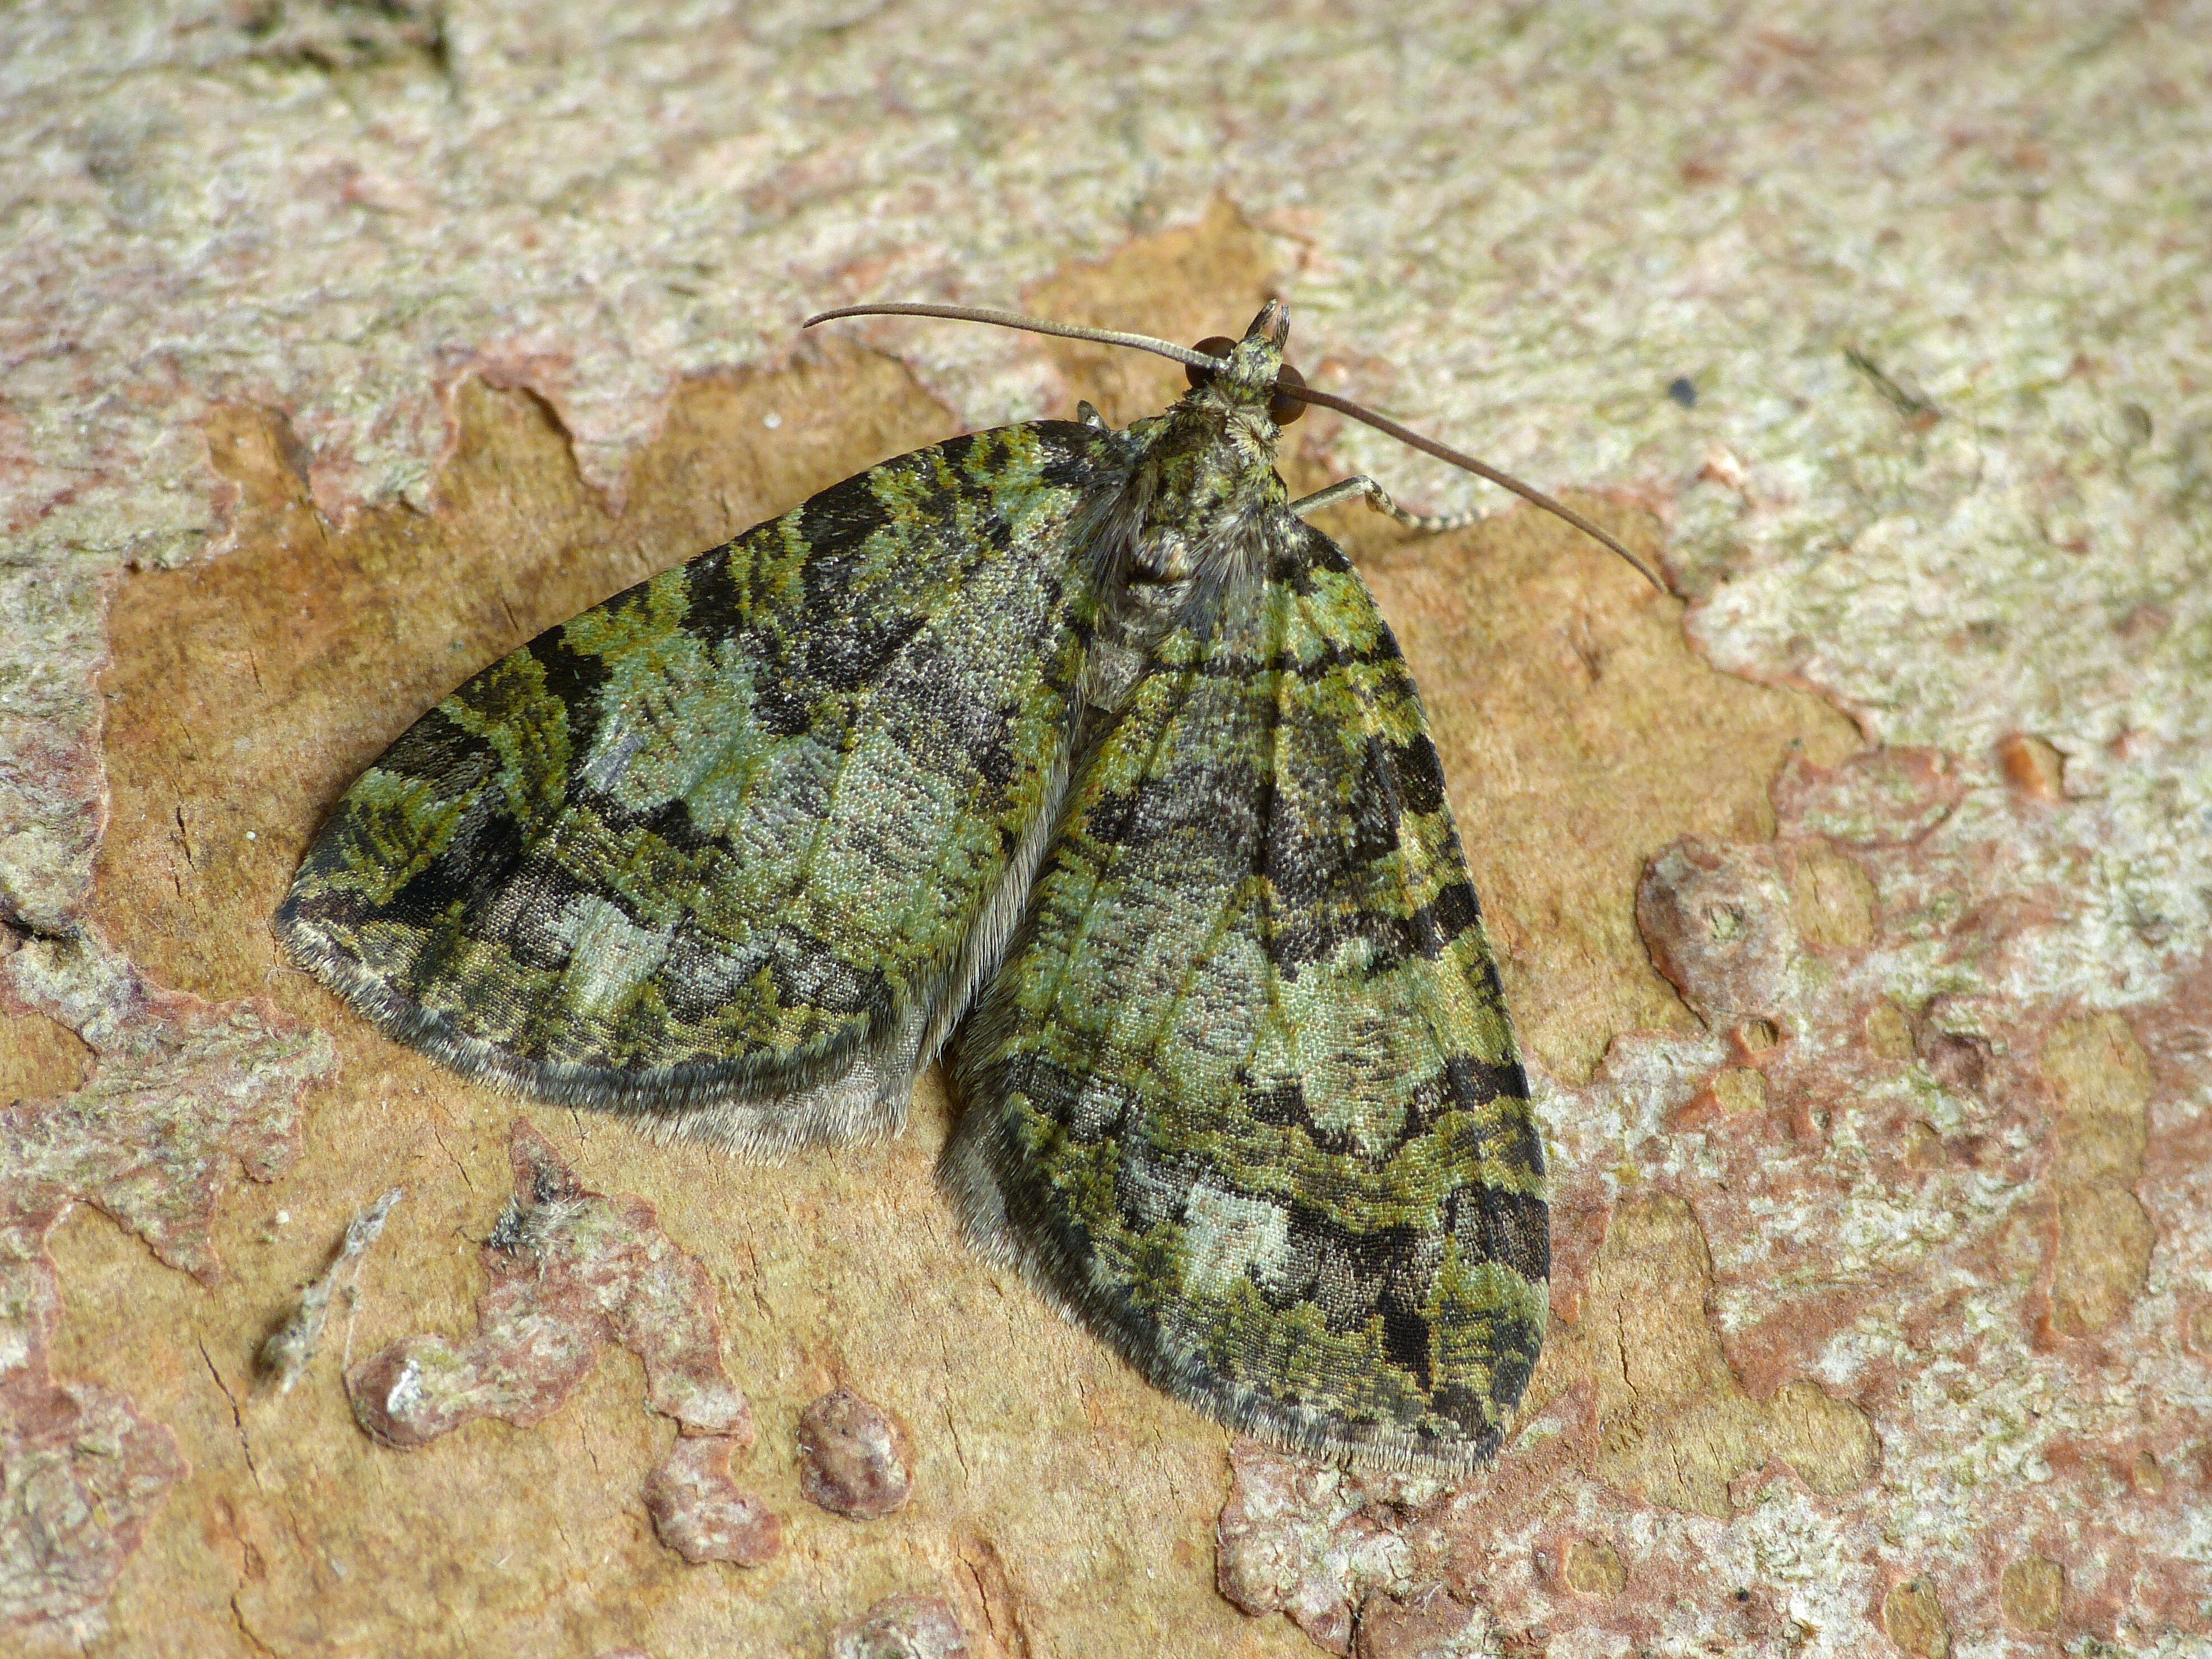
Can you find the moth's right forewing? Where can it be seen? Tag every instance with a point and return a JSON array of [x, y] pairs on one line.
[[723, 849], [1245, 1097]]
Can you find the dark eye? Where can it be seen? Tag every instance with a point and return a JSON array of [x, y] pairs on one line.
[[1213, 345]]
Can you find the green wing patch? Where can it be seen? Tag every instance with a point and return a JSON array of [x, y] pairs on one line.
[[721, 846], [1244, 1096]]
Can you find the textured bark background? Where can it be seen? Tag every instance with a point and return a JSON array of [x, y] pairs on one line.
[[1855, 902]]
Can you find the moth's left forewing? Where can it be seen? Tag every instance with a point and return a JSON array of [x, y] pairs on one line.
[[1245, 1097], [729, 848]]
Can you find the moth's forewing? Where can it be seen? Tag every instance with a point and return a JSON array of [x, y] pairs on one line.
[[1245, 1097], [715, 848]]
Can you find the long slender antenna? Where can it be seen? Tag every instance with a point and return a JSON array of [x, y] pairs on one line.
[[1182, 355], [1304, 394]]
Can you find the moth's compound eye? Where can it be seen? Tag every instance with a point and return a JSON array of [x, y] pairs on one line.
[[1213, 345], [1282, 408]]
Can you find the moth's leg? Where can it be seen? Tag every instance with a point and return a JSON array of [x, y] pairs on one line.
[[1379, 498]]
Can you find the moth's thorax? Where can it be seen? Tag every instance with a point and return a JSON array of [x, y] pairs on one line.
[[1211, 480], [1202, 512]]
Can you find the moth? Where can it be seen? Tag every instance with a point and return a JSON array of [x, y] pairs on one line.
[[1077, 755]]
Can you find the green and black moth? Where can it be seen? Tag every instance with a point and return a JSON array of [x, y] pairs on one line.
[[1077, 755]]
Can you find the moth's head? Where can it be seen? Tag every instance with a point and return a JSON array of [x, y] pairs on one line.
[[1249, 382]]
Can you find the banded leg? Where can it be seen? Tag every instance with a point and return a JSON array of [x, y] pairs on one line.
[[1379, 498]]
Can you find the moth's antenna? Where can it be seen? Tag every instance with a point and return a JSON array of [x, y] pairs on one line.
[[1304, 393], [1182, 355]]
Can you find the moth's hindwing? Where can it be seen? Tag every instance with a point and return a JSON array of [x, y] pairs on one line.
[[723, 846], [1244, 1097]]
